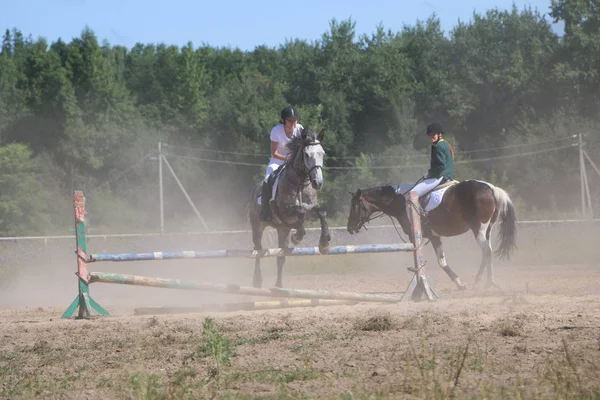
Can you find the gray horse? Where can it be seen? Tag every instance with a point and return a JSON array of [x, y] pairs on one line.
[[295, 200]]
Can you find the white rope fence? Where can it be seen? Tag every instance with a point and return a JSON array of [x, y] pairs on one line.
[[247, 231]]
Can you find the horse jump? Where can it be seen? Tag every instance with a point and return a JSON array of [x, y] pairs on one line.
[[85, 304]]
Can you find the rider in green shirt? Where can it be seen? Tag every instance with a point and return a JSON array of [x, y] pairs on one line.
[[442, 161]]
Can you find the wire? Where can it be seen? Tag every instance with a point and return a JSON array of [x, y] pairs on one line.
[[457, 162], [213, 161], [216, 151], [461, 151], [516, 145], [374, 157], [120, 175], [530, 153]]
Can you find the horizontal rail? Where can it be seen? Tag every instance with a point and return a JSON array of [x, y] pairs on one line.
[[275, 252], [245, 231], [136, 280]]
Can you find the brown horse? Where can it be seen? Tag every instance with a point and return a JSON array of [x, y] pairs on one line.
[[295, 200], [468, 205]]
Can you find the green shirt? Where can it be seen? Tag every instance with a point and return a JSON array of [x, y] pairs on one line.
[[442, 165]]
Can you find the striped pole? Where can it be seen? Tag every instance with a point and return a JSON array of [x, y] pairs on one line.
[[275, 252], [122, 279]]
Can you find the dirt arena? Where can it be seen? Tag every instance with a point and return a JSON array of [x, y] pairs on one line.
[[537, 338]]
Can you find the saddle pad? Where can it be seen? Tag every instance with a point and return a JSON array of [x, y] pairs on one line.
[[273, 192], [403, 188], [435, 198]]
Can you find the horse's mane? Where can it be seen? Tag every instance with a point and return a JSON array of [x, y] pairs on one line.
[[298, 142]]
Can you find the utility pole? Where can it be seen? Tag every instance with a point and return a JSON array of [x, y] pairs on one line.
[[160, 189], [582, 176], [585, 187]]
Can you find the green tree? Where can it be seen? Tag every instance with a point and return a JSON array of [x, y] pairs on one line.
[[23, 198], [577, 67], [499, 64]]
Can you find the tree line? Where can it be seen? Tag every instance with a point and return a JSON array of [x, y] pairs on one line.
[[85, 114]]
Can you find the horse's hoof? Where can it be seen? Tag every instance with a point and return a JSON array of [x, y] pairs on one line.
[[324, 249], [257, 284], [460, 285], [279, 285], [493, 285], [296, 240]]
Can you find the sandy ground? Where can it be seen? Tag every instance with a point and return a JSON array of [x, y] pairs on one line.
[[531, 341], [537, 338]]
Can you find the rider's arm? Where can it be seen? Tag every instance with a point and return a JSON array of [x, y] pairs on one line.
[[438, 162], [274, 152]]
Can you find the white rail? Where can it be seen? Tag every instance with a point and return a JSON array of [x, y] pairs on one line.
[[242, 231]]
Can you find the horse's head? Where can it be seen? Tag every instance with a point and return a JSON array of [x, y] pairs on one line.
[[365, 203], [307, 156]]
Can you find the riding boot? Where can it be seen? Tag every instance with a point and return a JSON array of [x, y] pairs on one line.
[[423, 215], [265, 211], [425, 224]]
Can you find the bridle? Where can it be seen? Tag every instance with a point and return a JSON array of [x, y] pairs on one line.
[[305, 170], [365, 216]]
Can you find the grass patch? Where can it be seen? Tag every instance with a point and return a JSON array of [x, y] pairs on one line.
[[376, 323], [216, 346], [272, 375], [272, 334], [510, 327]]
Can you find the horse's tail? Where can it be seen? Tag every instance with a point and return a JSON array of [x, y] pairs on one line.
[[508, 223]]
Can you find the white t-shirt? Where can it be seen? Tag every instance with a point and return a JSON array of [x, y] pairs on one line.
[[278, 135]]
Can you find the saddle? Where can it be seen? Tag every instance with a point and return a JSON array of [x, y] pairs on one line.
[[271, 181], [424, 200]]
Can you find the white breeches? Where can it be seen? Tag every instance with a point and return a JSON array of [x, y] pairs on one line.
[[426, 186], [270, 168]]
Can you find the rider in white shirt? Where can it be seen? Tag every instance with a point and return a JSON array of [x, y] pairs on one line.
[[280, 136]]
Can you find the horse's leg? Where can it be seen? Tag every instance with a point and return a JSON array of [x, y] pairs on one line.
[[491, 281], [257, 232], [325, 236], [481, 236], [298, 236], [282, 237], [436, 242]]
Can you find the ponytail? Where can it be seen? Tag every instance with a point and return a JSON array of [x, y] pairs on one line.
[[449, 145], [451, 149]]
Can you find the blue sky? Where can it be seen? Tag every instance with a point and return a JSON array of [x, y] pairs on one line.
[[235, 23]]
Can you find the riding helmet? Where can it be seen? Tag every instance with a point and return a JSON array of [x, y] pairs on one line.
[[289, 112], [435, 128]]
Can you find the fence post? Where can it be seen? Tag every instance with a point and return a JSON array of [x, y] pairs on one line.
[[83, 301], [419, 287]]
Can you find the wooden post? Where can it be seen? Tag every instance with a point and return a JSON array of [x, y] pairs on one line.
[[83, 301], [419, 287]]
